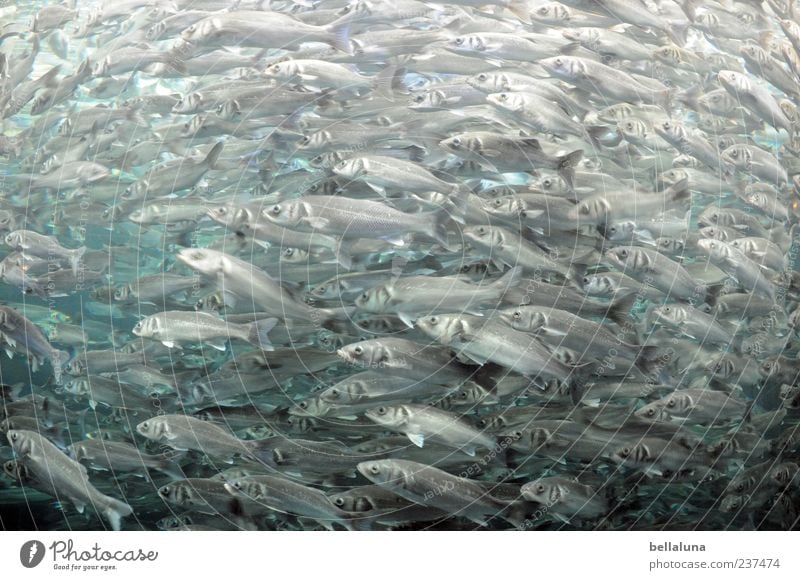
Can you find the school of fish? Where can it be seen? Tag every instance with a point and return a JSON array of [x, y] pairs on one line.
[[387, 265]]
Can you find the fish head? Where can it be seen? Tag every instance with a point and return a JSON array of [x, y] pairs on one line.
[[552, 13], [488, 82], [618, 231], [190, 103], [633, 129], [721, 367], [544, 491], [202, 31], [737, 155], [384, 472], [389, 415], [445, 329], [709, 217], [714, 249], [375, 299], [565, 67], [598, 285], [287, 214], [353, 501], [455, 144], [526, 319], [203, 260], [508, 206], [149, 327], [484, 236], [733, 81], [368, 353], [24, 443], [428, 101], [317, 141], [732, 503], [621, 257], [592, 210], [311, 407], [14, 239], [670, 313], [351, 168], [512, 102], [153, 428]]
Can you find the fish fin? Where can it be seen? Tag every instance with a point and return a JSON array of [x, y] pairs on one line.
[[567, 164], [75, 259], [417, 439], [259, 333], [520, 9], [343, 252], [217, 343], [340, 29], [407, 319], [620, 309], [115, 511], [386, 80], [469, 451], [211, 159], [168, 343]]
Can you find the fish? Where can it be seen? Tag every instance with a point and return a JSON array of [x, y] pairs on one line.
[[399, 265], [68, 478]]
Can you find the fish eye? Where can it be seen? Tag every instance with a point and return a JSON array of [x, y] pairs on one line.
[[671, 403], [455, 142], [459, 41], [144, 425], [547, 182], [623, 253], [517, 315], [734, 154], [288, 252], [433, 320], [381, 410], [667, 309], [482, 77], [165, 490], [334, 393], [359, 350], [624, 452], [540, 488], [374, 470], [303, 404], [14, 436], [339, 501], [667, 125], [306, 140], [419, 98], [276, 209], [481, 230], [650, 412], [559, 62]]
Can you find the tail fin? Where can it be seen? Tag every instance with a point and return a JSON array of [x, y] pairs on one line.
[[259, 333], [651, 362], [440, 220], [211, 159], [679, 192], [619, 310], [520, 9], [567, 164], [114, 511], [340, 30], [342, 252], [386, 80]]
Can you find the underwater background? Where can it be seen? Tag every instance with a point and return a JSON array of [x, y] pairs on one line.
[[399, 265]]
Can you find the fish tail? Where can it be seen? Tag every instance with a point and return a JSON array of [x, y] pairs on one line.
[[438, 230], [343, 254], [340, 34], [258, 334], [520, 9], [620, 309], [114, 511], [567, 164], [387, 80], [508, 280]]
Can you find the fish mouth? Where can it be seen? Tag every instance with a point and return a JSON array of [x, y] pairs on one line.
[[344, 355]]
